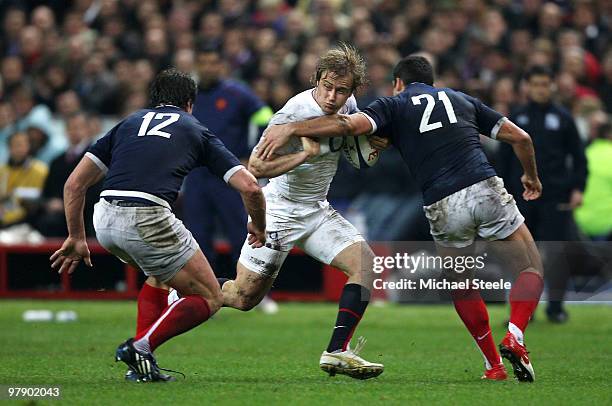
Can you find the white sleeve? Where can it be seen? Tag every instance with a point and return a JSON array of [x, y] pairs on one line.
[[497, 127], [97, 161], [374, 127]]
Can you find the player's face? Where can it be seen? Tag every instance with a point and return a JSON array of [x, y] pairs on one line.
[[210, 68], [333, 91], [540, 88], [76, 129]]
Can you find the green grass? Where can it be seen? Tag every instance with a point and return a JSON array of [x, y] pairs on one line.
[[251, 358]]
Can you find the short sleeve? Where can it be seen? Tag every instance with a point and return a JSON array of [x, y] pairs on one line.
[[217, 158], [488, 120], [380, 112], [100, 152]]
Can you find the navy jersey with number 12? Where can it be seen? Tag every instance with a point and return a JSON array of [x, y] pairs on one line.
[[147, 155], [437, 133]]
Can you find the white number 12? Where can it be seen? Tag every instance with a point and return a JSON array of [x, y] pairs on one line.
[[147, 118], [425, 124]]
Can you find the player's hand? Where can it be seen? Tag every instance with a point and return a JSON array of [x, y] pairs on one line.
[[533, 188], [273, 138], [311, 146], [68, 257], [379, 143], [257, 237]]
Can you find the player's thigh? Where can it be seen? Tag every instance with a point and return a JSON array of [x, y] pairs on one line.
[[496, 212], [329, 236], [456, 274], [451, 223], [196, 277], [112, 228], [264, 261], [283, 230]]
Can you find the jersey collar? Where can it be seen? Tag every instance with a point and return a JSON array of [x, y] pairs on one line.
[[167, 105]]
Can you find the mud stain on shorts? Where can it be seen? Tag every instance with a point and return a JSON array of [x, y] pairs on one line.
[[155, 232], [437, 214]]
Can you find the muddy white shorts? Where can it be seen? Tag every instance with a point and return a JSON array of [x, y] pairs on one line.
[[485, 209], [316, 228], [149, 238]]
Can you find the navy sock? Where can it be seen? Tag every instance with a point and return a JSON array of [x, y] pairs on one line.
[[353, 303]]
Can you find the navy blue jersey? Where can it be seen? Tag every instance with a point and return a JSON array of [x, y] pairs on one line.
[[152, 150], [437, 133], [227, 109]]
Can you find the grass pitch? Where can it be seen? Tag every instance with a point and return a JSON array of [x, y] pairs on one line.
[[252, 358]]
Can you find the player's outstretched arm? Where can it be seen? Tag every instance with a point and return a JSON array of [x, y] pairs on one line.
[[332, 125], [280, 164], [254, 202], [75, 249], [523, 149]]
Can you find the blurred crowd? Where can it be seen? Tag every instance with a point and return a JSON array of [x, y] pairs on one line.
[[69, 70]]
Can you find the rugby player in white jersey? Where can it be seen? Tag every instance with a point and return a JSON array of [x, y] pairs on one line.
[[298, 213]]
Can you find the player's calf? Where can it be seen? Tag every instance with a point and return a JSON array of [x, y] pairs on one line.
[[356, 262]]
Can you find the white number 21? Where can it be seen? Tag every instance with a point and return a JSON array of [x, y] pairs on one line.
[[172, 118], [425, 124]]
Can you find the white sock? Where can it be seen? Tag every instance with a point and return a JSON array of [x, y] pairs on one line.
[[516, 332]]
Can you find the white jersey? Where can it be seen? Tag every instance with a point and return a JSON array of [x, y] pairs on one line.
[[309, 182]]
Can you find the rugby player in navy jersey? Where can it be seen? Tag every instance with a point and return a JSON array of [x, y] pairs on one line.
[[143, 161], [437, 132]]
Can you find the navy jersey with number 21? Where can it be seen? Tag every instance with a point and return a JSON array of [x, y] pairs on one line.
[[437, 132]]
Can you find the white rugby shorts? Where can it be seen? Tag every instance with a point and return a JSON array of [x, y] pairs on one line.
[[150, 238], [316, 228], [485, 209]]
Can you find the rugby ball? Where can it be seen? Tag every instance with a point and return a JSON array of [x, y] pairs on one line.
[[359, 152]]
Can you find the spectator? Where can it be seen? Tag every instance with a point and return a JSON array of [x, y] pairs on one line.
[[556, 140], [21, 181], [7, 127], [43, 18], [595, 215], [97, 86], [12, 73], [51, 221], [606, 89], [102, 55], [37, 118], [12, 25], [230, 110]]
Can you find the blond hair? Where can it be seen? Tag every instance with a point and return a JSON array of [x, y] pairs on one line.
[[342, 60]]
